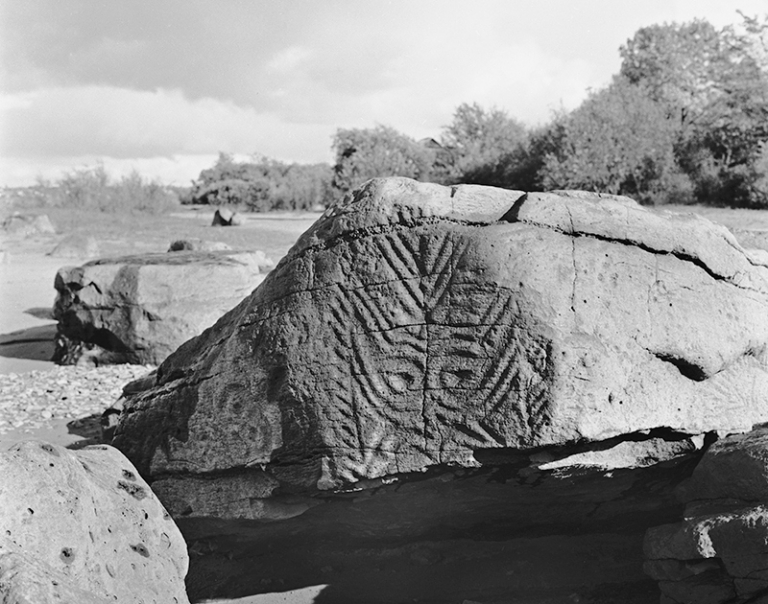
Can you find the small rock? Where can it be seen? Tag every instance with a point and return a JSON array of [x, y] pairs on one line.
[[223, 217], [197, 245]]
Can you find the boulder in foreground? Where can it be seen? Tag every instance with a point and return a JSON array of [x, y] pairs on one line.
[[84, 527], [139, 309]]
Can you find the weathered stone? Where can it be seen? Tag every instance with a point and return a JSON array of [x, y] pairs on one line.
[[139, 309], [84, 527], [417, 324], [197, 245], [752, 238], [717, 553], [225, 217]]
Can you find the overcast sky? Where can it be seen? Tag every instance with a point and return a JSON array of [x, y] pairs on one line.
[[164, 85]]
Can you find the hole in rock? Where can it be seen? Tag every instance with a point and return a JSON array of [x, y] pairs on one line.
[[140, 549], [133, 490], [67, 555]]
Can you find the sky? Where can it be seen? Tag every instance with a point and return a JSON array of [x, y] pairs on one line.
[[163, 86]]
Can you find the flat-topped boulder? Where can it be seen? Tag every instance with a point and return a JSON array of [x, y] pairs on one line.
[[197, 245], [415, 325], [139, 309], [83, 526]]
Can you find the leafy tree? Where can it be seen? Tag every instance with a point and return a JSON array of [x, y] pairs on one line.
[[618, 141], [367, 153], [523, 167], [716, 84], [479, 140], [678, 65], [263, 185]]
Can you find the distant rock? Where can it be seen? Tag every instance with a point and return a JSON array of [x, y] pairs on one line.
[[84, 527], [139, 309], [226, 217], [24, 225], [717, 552], [76, 246], [197, 245]]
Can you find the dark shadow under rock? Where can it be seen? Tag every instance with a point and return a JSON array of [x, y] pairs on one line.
[[503, 533]]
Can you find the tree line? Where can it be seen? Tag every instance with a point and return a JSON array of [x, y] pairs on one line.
[[684, 121]]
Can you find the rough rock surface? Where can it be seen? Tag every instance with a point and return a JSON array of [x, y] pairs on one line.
[[718, 552], [84, 527], [197, 245], [139, 309], [752, 238], [226, 217], [416, 325]]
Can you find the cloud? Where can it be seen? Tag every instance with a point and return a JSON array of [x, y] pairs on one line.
[[288, 60], [123, 123], [186, 78], [176, 169]]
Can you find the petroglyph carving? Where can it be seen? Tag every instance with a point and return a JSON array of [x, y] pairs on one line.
[[414, 325]]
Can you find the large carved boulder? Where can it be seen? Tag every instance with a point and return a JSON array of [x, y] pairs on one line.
[[139, 309], [415, 325], [84, 527], [458, 393]]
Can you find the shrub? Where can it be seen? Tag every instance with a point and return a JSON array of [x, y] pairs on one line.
[[262, 185], [362, 154], [91, 188], [618, 141]]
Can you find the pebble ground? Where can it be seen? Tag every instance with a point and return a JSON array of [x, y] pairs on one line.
[[30, 400]]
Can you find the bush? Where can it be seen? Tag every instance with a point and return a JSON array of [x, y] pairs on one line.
[[480, 143], [618, 141], [262, 185], [365, 153], [92, 189]]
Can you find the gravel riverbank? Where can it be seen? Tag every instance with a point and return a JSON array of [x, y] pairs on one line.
[[29, 400]]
